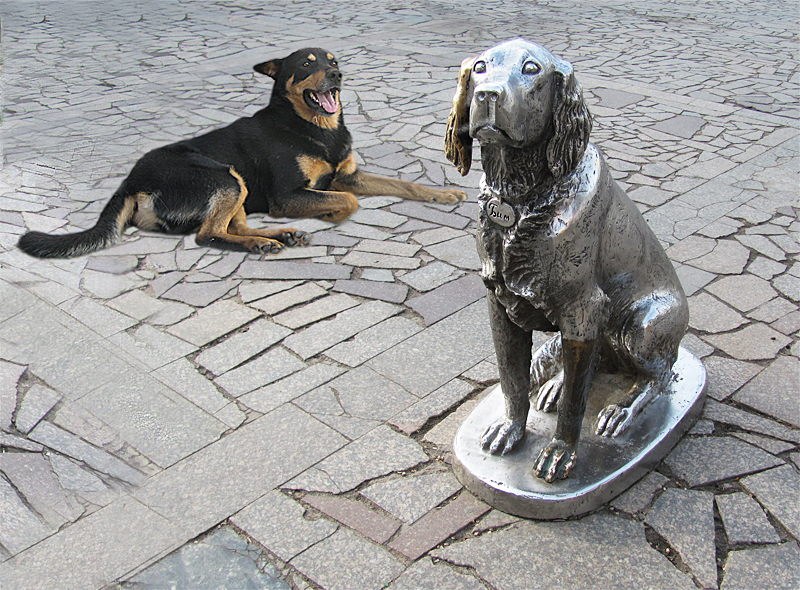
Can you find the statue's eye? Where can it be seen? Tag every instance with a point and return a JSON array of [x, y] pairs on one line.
[[479, 67], [531, 67]]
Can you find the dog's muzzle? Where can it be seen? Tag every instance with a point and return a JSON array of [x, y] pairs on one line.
[[489, 122]]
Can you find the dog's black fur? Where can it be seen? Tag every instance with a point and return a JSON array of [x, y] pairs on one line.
[[291, 159]]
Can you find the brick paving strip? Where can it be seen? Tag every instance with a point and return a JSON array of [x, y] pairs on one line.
[[172, 415]]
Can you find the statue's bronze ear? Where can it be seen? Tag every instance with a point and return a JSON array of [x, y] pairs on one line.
[[572, 123], [269, 68], [457, 142]]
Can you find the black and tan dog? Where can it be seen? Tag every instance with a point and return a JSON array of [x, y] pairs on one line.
[[291, 159], [562, 248]]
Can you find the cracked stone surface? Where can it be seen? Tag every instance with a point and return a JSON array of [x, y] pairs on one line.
[[157, 396]]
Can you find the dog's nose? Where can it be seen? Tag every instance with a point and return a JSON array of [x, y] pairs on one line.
[[492, 95], [334, 76]]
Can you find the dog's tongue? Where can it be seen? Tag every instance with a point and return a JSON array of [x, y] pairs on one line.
[[327, 102]]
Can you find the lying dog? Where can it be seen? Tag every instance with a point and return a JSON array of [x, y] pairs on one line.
[[562, 248], [291, 159]]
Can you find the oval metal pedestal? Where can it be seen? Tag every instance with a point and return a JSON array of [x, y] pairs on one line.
[[606, 466]]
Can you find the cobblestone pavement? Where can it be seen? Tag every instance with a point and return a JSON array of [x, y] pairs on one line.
[[175, 416]]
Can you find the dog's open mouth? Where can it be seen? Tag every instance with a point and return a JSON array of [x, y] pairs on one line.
[[490, 133], [323, 102]]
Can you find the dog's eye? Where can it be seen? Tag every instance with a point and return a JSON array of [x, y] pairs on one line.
[[531, 67], [479, 67], [306, 64], [334, 63]]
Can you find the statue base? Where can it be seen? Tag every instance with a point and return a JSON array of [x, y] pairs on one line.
[[605, 468]]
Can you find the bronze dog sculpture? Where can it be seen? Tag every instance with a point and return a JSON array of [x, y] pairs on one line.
[[563, 249]]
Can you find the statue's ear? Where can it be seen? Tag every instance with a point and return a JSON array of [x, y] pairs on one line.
[[572, 122], [269, 68], [457, 141]]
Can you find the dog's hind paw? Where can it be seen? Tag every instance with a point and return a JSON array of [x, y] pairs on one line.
[[613, 420], [295, 237], [449, 196], [502, 436], [555, 461]]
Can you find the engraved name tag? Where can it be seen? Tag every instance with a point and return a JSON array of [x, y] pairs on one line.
[[500, 212]]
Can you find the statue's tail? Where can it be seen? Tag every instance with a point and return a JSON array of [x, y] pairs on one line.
[[116, 215]]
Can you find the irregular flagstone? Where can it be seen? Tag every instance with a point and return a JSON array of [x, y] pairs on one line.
[[96, 550], [346, 560], [270, 397], [725, 376], [685, 518], [218, 481], [710, 459], [601, 551], [775, 567], [19, 527], [373, 290], [430, 276], [412, 496], [420, 211], [371, 259], [434, 404], [638, 497], [263, 370], [256, 290], [707, 314], [744, 519], [728, 257], [256, 269], [151, 346], [744, 292], [277, 522], [315, 311], [200, 294], [748, 421], [755, 342], [373, 341], [770, 391], [424, 574], [356, 515], [436, 235], [377, 453], [17, 442], [461, 252], [241, 346], [182, 377], [212, 322], [391, 248], [9, 376], [449, 298], [287, 298], [776, 490]]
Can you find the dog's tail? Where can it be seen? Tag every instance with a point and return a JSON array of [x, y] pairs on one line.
[[116, 215]]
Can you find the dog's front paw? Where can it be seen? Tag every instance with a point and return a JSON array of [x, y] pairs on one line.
[[294, 237], [549, 393], [449, 196], [555, 461], [502, 436], [613, 420]]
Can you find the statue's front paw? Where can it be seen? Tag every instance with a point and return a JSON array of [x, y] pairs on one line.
[[549, 393], [501, 437], [613, 420], [555, 461]]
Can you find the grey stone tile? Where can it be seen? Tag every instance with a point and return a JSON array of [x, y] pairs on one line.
[[434, 404], [9, 376], [604, 552], [106, 286], [152, 347], [774, 567], [425, 213], [639, 496], [483, 372], [346, 560], [377, 453], [99, 318], [254, 269], [728, 258], [725, 376], [755, 342], [220, 480], [387, 247], [70, 445], [287, 298], [153, 419], [769, 394], [431, 276], [412, 496], [253, 291], [461, 252], [374, 260], [449, 298], [278, 523], [261, 371], [321, 336], [373, 341], [266, 399], [212, 322], [772, 310], [431, 358], [96, 550], [685, 518], [242, 346], [182, 377], [32, 477], [137, 304], [776, 490], [771, 445], [38, 401], [744, 520], [19, 527], [220, 560], [788, 285], [748, 421], [436, 235], [744, 292], [373, 290], [357, 515], [377, 274], [200, 294], [764, 246], [316, 310], [708, 314], [710, 459], [11, 441]]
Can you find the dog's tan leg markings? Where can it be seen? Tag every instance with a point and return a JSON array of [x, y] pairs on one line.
[[226, 210], [369, 185], [313, 169]]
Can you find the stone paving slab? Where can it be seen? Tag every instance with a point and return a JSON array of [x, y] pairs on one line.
[[156, 371]]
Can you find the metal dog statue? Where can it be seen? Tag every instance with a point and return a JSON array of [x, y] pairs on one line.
[[563, 249]]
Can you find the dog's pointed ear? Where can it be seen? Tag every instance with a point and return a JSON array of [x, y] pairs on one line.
[[457, 141], [269, 68], [572, 122]]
